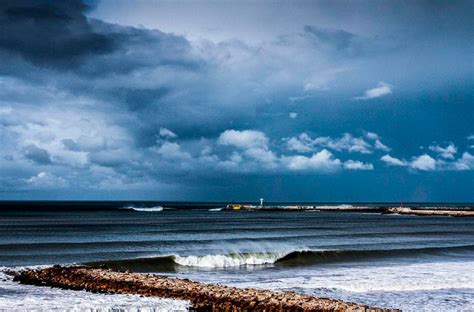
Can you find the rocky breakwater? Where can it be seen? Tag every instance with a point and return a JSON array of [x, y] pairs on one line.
[[431, 212], [203, 297]]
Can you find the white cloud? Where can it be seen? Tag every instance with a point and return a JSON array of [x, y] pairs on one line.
[[6, 110], [470, 137], [302, 144], [372, 136], [243, 139], [207, 150], [381, 89], [69, 136], [47, 180], [322, 160], [427, 163], [445, 152], [346, 142], [293, 115], [172, 151], [423, 162], [232, 163], [466, 162], [168, 134], [315, 85], [261, 154], [357, 165], [253, 143], [392, 161], [379, 145]]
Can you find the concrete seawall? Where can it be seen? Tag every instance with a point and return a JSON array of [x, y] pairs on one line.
[[203, 297]]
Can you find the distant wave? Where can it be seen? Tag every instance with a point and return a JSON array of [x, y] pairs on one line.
[[216, 209], [291, 258], [144, 209]]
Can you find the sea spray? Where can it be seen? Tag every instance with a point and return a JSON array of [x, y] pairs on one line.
[[224, 261]]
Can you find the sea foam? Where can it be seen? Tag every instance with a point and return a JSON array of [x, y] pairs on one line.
[[223, 261], [17, 297]]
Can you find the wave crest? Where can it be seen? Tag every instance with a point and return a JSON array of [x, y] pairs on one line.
[[144, 209], [291, 258], [216, 209], [230, 260]]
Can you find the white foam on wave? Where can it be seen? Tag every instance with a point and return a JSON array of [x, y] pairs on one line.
[[17, 297], [232, 260], [145, 209], [383, 278], [216, 209], [433, 286]]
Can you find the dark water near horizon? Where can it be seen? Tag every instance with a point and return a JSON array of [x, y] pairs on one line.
[[70, 205], [408, 262]]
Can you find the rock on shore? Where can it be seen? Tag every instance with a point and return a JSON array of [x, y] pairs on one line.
[[203, 297]]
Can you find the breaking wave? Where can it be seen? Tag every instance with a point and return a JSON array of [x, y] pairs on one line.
[[225, 261], [144, 209], [292, 258], [216, 209]]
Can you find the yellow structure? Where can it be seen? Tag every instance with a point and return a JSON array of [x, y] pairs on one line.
[[234, 206]]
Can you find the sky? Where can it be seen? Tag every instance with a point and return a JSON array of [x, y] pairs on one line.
[[332, 101]]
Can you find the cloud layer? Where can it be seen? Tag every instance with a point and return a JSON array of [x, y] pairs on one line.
[[94, 108]]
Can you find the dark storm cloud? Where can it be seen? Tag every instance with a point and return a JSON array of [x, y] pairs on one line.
[[108, 158], [37, 154], [138, 48], [114, 107], [343, 44], [137, 99], [336, 40], [70, 145], [50, 33]]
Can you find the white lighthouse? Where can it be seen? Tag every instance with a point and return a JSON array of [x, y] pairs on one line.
[[261, 202]]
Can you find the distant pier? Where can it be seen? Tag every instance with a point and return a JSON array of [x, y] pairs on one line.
[[464, 211]]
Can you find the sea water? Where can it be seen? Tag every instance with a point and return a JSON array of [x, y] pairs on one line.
[[408, 262]]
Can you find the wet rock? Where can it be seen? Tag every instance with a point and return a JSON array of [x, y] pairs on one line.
[[203, 297]]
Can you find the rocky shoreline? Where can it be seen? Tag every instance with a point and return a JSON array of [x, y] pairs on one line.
[[203, 297]]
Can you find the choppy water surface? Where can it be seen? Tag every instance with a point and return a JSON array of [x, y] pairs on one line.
[[408, 262]]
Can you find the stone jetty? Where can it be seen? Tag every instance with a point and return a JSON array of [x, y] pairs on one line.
[[431, 212], [461, 211], [203, 297]]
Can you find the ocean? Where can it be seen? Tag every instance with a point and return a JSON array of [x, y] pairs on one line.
[[408, 262]]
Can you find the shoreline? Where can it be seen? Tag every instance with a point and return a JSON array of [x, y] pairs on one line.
[[203, 297]]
